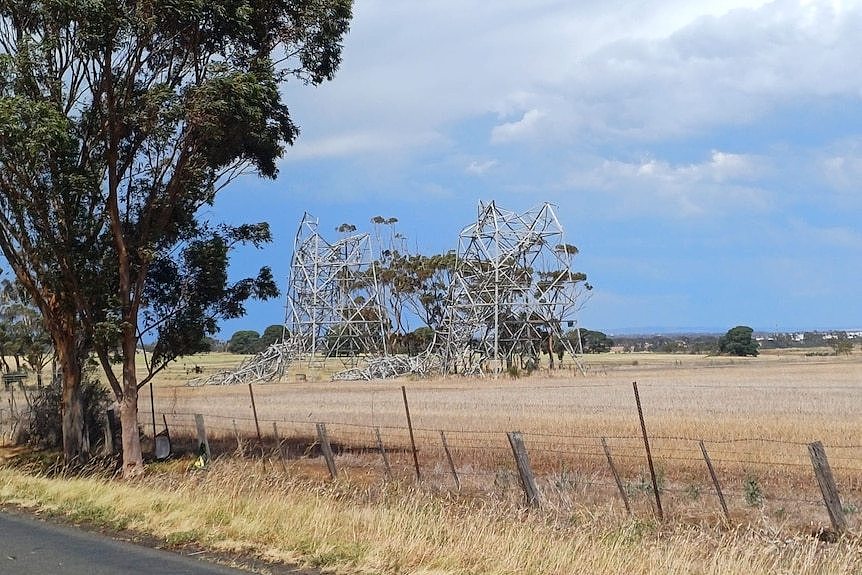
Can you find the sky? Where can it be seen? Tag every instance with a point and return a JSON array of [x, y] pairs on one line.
[[705, 157]]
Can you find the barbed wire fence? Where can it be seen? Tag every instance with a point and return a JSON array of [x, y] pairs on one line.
[[692, 477], [730, 479]]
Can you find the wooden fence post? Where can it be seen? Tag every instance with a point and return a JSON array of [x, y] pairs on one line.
[[659, 510], [827, 485], [715, 482], [525, 472], [202, 436], [382, 451], [254, 412], [410, 427], [326, 449], [616, 475], [451, 463]]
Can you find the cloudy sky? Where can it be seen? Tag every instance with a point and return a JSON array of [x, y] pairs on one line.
[[704, 156]]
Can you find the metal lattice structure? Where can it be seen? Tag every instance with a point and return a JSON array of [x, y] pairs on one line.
[[333, 298], [333, 308], [513, 290]]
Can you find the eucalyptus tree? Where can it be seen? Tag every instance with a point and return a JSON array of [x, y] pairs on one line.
[[119, 121]]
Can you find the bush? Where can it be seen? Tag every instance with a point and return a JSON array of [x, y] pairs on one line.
[[46, 423]]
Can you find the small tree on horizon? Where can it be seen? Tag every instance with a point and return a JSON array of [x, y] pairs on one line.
[[738, 341]]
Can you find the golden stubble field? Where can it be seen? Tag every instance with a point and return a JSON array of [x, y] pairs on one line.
[[755, 416]]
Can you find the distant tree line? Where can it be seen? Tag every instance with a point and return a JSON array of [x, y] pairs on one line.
[[248, 341]]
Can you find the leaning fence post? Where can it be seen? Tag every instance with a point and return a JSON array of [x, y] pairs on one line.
[[254, 412], [525, 472], [616, 475], [659, 511], [326, 449], [382, 451], [202, 436], [451, 463], [827, 485], [715, 482], [410, 427]]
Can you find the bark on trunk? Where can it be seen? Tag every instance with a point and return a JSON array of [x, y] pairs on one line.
[[76, 442], [133, 462]]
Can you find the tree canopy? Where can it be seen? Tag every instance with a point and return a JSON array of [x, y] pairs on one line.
[[119, 122], [738, 341]]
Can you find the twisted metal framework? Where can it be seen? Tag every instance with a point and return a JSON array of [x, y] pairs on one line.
[[333, 298], [333, 309], [513, 289]]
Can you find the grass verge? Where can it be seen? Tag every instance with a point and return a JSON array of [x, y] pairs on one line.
[[349, 528]]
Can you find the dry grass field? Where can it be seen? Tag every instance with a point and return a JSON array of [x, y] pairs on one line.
[[755, 416]]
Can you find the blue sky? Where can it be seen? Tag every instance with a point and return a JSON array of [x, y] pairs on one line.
[[704, 156]]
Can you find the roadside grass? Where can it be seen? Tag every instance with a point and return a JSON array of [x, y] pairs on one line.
[[350, 527]]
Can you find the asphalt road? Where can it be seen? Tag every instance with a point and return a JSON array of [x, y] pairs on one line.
[[32, 547]]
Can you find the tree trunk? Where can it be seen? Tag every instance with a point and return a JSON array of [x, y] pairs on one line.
[[76, 442], [133, 462]]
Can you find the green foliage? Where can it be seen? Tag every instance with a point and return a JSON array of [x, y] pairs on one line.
[[592, 341], [738, 341], [272, 334], [244, 341], [841, 345], [418, 282], [752, 492], [46, 426], [22, 330], [119, 124]]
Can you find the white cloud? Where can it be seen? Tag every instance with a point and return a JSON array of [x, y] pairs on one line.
[[722, 184], [518, 130], [360, 143], [477, 168], [619, 68], [841, 166]]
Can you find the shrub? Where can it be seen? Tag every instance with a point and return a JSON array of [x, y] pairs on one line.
[[46, 423], [752, 491]]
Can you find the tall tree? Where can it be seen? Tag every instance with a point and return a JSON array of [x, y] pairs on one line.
[[118, 122]]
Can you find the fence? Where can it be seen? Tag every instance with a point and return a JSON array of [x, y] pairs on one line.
[[679, 477]]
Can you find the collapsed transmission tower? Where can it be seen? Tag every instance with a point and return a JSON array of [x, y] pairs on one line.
[[333, 298], [512, 291], [333, 308]]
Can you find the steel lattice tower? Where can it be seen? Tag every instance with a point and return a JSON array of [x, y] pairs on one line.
[[333, 300], [333, 309], [512, 291]]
